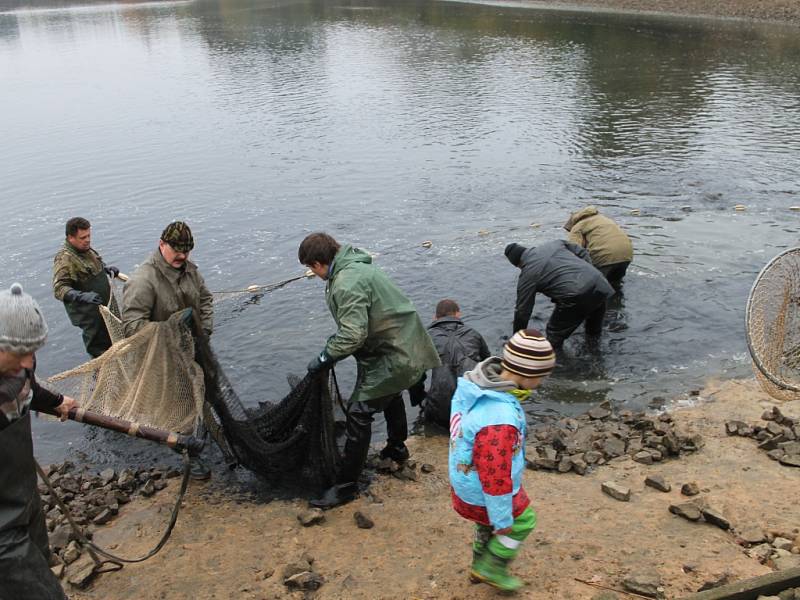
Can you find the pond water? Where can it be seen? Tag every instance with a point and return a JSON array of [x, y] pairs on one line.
[[389, 123]]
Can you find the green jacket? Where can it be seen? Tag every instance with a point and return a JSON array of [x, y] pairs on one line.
[[157, 290], [606, 242], [378, 325]]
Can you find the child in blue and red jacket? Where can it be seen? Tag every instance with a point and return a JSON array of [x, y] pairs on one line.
[[487, 457]]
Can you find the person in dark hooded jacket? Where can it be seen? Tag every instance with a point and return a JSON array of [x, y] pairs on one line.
[[563, 272], [460, 348], [24, 547]]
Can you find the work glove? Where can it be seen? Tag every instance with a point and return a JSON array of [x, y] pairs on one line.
[[320, 363], [112, 271], [84, 297]]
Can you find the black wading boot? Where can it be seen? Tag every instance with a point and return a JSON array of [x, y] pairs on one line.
[[397, 452], [336, 495]]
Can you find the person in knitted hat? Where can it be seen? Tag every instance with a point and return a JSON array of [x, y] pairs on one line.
[[167, 282], [487, 453], [24, 547]]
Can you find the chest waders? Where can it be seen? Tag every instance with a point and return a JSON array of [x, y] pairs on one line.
[[87, 316], [24, 547]]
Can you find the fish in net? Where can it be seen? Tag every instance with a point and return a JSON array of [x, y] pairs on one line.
[[772, 325], [166, 377]]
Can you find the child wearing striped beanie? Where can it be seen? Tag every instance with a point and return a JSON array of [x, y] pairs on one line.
[[487, 453]]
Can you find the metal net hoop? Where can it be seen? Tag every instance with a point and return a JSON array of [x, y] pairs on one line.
[[772, 326]]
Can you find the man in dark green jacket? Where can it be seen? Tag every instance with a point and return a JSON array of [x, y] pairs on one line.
[[80, 281], [380, 327]]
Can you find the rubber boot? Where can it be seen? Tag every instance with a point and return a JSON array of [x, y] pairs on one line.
[[336, 495], [397, 452], [477, 555], [493, 570], [198, 470]]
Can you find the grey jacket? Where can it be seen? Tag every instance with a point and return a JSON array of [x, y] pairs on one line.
[[561, 271], [157, 290]]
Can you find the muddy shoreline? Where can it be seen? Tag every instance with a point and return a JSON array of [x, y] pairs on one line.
[[229, 546], [776, 11]]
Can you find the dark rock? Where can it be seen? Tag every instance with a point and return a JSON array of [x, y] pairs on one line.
[[644, 584], [159, 484], [773, 428], [406, 473], [599, 413], [790, 461], [787, 562], [71, 553], [776, 454], [103, 517], [768, 444], [767, 416], [427, 468], [614, 447], [592, 456], [579, 465], [715, 517], [126, 480], [643, 457], [545, 464], [658, 482], [616, 491], [294, 568], [148, 489], [107, 476], [656, 454], [58, 570], [687, 510], [363, 521], [715, 583], [310, 517], [690, 489], [307, 581], [61, 536], [564, 465], [735, 427], [81, 572], [752, 535]]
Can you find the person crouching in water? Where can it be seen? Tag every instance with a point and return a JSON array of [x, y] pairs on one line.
[[487, 453]]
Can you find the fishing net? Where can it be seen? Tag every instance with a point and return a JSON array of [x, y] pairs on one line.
[[166, 377], [772, 323]]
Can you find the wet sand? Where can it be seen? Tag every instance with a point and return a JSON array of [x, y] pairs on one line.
[[224, 547], [782, 11]]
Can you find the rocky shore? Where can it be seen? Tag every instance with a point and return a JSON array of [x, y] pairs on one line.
[[779, 11], [714, 509]]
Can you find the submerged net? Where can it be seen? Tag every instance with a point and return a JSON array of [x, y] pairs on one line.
[[167, 378], [773, 326]]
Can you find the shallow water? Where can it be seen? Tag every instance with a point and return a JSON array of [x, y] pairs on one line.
[[390, 123]]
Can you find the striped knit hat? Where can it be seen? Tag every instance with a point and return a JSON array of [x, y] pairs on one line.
[[528, 354]]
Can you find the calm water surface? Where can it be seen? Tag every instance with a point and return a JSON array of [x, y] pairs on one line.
[[390, 123]]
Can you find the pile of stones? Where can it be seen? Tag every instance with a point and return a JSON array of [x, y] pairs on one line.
[[301, 576], [581, 443], [776, 549], [779, 437], [93, 500], [790, 594]]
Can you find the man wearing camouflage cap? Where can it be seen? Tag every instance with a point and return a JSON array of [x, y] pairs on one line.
[[24, 547], [166, 283], [80, 281]]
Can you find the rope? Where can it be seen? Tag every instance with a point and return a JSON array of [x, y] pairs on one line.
[[94, 549], [254, 289]]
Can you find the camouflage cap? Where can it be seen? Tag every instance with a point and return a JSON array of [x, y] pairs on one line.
[[178, 235]]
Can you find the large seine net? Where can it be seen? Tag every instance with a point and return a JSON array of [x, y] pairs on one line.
[[773, 326], [167, 378]]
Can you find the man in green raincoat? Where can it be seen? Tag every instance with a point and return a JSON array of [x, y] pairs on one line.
[[80, 281], [380, 327]]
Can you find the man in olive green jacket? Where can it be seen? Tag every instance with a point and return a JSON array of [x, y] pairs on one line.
[[165, 283], [80, 281], [380, 327], [609, 246]]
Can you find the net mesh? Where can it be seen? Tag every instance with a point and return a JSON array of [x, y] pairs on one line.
[[773, 326], [166, 377]]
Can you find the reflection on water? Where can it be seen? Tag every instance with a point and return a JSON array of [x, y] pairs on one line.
[[388, 123]]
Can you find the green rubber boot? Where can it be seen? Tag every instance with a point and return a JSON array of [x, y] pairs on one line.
[[477, 555], [493, 570]]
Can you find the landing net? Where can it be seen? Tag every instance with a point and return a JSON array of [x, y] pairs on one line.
[[772, 323]]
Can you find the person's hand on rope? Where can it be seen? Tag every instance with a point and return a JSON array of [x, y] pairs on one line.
[[319, 363], [66, 404], [84, 297], [112, 271]]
